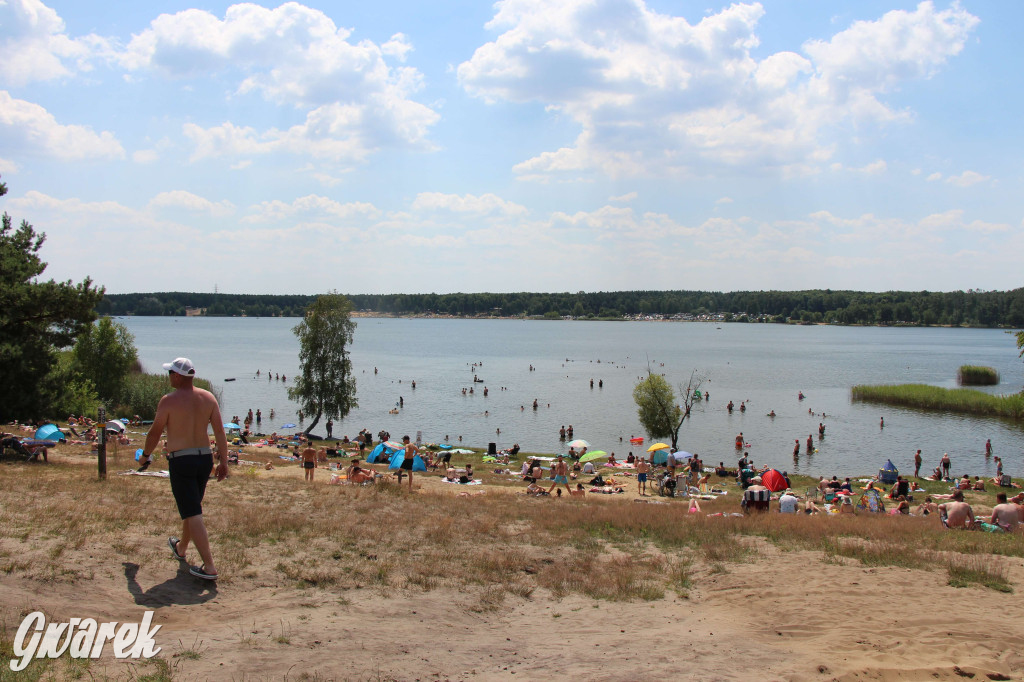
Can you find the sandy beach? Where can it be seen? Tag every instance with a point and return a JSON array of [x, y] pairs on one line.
[[343, 583]]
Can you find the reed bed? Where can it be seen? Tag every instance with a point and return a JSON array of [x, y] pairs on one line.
[[976, 375], [960, 400]]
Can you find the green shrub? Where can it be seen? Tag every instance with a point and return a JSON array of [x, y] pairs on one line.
[[142, 392]]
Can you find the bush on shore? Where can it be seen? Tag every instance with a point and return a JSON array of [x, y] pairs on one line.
[[142, 392]]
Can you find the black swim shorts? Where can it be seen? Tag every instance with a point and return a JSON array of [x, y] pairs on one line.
[[189, 475], [407, 464], [309, 465]]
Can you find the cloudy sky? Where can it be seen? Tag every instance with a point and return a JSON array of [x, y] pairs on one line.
[[525, 145]]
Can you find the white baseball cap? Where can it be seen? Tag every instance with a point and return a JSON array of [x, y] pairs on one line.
[[182, 366]]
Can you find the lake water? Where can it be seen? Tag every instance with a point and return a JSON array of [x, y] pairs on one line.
[[764, 365]]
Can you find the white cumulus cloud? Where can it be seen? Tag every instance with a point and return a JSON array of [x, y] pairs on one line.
[[35, 46], [467, 203], [967, 178], [188, 201], [652, 92], [311, 207], [295, 56], [29, 128]]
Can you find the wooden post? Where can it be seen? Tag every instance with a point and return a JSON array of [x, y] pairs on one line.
[[101, 449]]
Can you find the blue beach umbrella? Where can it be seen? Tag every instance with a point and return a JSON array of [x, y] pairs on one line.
[[49, 432], [232, 425]]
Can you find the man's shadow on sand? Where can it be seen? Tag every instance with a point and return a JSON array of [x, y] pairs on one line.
[[182, 589]]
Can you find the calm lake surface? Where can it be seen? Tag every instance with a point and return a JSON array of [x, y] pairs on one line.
[[764, 365]]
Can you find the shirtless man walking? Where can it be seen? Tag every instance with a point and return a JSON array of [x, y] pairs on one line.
[[957, 513], [642, 467], [186, 414]]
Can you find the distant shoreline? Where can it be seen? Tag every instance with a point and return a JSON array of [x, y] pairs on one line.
[[973, 308], [370, 314]]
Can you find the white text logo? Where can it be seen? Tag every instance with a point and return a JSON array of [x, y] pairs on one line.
[[81, 638]]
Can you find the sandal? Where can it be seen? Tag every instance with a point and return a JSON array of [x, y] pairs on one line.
[[200, 572], [173, 544]]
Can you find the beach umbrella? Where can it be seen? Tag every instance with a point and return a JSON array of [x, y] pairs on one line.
[[590, 456], [658, 446], [682, 454], [579, 443], [115, 425], [288, 426], [232, 425], [49, 432]]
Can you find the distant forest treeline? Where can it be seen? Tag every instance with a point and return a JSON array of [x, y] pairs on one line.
[[972, 308]]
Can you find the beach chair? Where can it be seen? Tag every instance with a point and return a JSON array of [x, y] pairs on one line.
[[756, 500], [14, 446], [1005, 481]]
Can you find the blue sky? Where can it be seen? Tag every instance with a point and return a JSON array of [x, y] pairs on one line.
[[528, 145]]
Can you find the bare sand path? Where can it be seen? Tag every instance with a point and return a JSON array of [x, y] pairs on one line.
[[785, 616]]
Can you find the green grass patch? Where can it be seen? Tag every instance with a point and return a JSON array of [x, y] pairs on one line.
[[965, 571], [873, 553], [976, 375], [961, 400]]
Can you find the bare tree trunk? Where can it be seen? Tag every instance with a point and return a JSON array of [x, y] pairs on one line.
[[312, 424]]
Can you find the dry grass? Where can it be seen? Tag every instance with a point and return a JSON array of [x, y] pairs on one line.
[[495, 547], [965, 571]]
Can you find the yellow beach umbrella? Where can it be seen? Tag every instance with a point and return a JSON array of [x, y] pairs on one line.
[[657, 446]]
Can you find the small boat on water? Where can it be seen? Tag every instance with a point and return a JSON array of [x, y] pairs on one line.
[[230, 379]]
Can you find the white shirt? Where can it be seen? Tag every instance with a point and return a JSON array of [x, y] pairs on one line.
[[787, 504]]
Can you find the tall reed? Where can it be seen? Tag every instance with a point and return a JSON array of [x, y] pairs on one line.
[[963, 400], [975, 375]]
